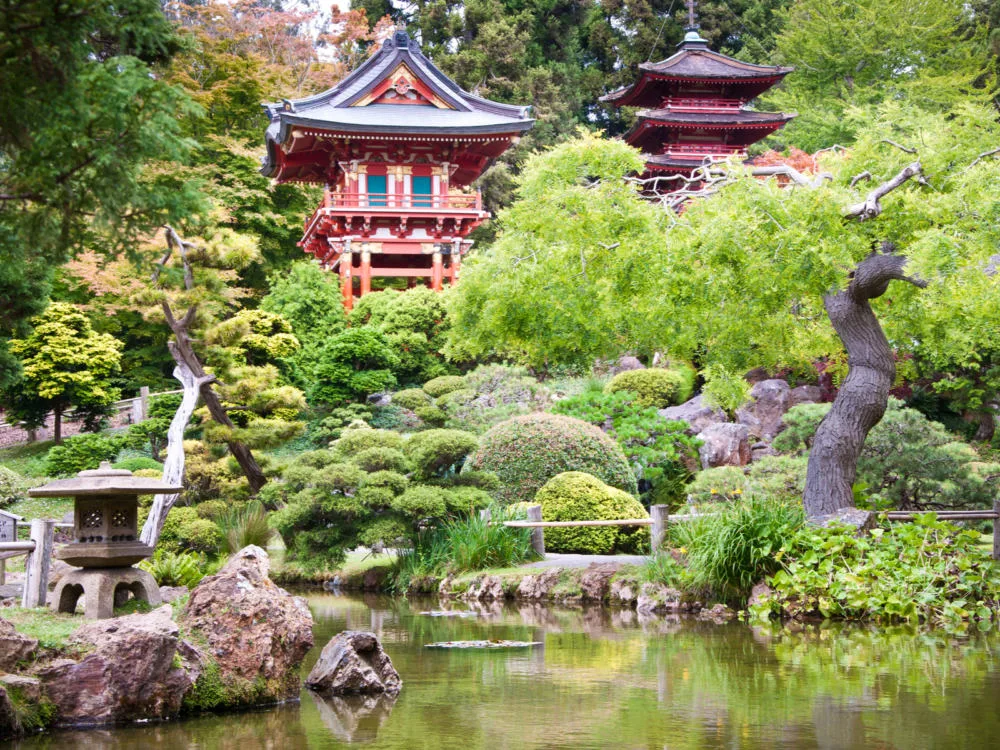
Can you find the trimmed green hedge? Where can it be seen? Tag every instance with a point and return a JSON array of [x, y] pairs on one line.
[[444, 384], [575, 496], [656, 387], [525, 452]]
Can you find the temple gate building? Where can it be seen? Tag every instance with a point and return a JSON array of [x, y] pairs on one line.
[[397, 145], [695, 107]]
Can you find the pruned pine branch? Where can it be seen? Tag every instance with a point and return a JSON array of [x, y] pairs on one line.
[[871, 206], [866, 175], [906, 149], [982, 156]]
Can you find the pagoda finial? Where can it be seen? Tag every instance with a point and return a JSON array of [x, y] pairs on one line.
[[691, 21], [692, 39]]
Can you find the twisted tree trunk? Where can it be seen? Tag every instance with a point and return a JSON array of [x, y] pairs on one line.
[[864, 394]]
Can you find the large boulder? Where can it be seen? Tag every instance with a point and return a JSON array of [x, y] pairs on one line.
[[14, 646], [805, 394], [626, 363], [354, 662], [762, 415], [595, 581], [135, 669], [696, 413], [538, 587], [255, 631], [724, 445]]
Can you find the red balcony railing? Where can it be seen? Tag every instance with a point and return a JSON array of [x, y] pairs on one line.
[[698, 104], [393, 201], [701, 150]]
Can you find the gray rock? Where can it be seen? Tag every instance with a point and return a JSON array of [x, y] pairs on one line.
[[172, 593], [806, 394], [354, 662], [758, 593], [625, 364], [595, 582], [623, 592], [9, 725], [724, 445], [655, 598], [540, 586], [861, 520], [380, 399], [696, 413], [762, 415], [485, 588], [30, 688], [718, 614]]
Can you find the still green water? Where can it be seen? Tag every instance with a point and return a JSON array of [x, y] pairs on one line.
[[610, 679]]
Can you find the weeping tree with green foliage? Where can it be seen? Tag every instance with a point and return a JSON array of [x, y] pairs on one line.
[[755, 274]]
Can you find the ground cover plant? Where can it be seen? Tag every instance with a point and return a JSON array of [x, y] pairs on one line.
[[925, 571]]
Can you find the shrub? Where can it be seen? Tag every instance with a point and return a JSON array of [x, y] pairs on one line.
[[183, 529], [439, 453], [444, 384], [354, 441], [148, 473], [422, 503], [733, 549], [661, 452], [381, 459], [412, 399], [138, 462], [82, 452], [175, 568], [907, 461], [13, 487], [211, 509], [780, 477], [526, 452], [431, 415], [575, 496], [927, 570], [654, 387], [326, 426], [394, 417], [492, 394], [349, 367], [243, 526]]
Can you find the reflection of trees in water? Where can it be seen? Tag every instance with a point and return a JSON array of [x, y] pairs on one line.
[[353, 718]]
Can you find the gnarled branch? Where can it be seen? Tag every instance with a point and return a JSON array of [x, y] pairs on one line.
[[871, 206]]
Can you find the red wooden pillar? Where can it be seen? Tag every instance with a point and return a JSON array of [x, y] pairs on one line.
[[366, 272], [437, 272], [346, 283], [454, 268]]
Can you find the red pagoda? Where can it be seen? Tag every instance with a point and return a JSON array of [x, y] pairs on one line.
[[397, 145], [695, 107]]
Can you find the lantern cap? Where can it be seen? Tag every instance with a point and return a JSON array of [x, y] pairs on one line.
[[104, 481]]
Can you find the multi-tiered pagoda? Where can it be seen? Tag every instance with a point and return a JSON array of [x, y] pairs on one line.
[[695, 107], [397, 145]]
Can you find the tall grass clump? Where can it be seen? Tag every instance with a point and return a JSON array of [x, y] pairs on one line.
[[733, 548], [243, 526]]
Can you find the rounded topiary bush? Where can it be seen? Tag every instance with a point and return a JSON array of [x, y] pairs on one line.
[[525, 452], [353, 441], [575, 496], [654, 386], [411, 398], [13, 487], [444, 384], [135, 463], [381, 459]]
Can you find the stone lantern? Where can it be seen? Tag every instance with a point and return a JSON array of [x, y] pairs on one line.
[[106, 540]]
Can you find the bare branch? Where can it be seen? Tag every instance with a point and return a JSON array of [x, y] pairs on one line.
[[783, 170], [834, 147], [866, 175], [871, 207], [981, 157], [900, 147]]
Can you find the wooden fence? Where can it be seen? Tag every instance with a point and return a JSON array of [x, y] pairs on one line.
[[38, 549], [660, 519]]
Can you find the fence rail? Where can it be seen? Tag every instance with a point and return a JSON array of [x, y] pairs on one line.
[[38, 550], [957, 515]]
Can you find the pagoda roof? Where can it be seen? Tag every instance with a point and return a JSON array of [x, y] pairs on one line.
[[352, 105], [734, 118], [695, 62]]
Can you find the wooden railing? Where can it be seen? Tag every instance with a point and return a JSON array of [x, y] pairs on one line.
[[38, 549], [701, 149], [958, 515], [694, 104], [447, 202]]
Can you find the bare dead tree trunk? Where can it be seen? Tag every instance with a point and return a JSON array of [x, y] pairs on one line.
[[864, 395], [185, 356], [173, 465]]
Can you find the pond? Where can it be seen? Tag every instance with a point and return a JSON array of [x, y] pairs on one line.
[[610, 679]]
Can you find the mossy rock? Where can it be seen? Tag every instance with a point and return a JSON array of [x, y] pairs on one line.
[[526, 452], [575, 496]]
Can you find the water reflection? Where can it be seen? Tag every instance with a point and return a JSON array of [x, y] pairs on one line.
[[355, 718], [615, 679]]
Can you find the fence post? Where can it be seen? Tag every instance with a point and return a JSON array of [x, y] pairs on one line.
[[658, 531], [36, 567], [996, 530], [486, 515], [140, 406], [537, 534]]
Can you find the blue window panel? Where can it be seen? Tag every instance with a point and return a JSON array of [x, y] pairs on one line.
[[377, 188], [422, 187]]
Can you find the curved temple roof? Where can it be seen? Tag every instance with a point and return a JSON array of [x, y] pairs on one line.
[[694, 61], [347, 106]]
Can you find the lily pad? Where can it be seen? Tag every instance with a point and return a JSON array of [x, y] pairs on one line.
[[484, 644]]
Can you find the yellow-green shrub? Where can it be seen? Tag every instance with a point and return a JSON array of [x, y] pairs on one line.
[[656, 387]]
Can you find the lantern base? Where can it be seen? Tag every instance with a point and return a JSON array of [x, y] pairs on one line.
[[104, 554], [101, 589]]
